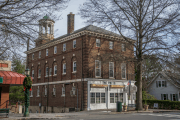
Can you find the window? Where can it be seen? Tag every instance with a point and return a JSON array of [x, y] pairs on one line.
[[110, 83], [63, 91], [74, 43], [97, 42], [39, 54], [174, 97], [46, 71], [39, 73], [164, 96], [55, 49], [64, 68], [50, 71], [73, 90], [111, 97], [74, 66], [38, 92], [54, 91], [97, 97], [111, 69], [55, 70], [163, 83], [121, 97], [33, 74], [98, 68], [46, 52], [110, 45], [103, 98], [116, 97], [45, 92], [123, 70], [104, 82], [92, 97], [33, 56], [159, 83], [123, 47], [64, 47], [31, 93]]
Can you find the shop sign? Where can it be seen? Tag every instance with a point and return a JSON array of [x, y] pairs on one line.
[[98, 85], [117, 86]]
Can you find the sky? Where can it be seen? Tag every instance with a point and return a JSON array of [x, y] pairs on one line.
[[60, 26]]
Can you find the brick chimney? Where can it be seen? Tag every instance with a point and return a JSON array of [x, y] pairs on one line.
[[70, 23]]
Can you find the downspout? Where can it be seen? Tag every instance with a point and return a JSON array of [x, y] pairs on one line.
[[82, 80]]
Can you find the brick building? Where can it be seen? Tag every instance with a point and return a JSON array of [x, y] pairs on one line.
[[83, 69]]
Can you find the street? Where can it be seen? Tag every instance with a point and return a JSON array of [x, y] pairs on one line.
[[101, 115]]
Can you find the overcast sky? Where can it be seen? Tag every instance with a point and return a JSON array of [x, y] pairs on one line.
[[61, 25]]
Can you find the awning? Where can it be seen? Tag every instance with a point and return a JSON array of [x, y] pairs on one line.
[[10, 77]]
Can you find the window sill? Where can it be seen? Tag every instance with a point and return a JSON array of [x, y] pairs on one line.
[[55, 75], [111, 78], [124, 78], [62, 95], [98, 77], [39, 77], [38, 96], [46, 76], [30, 96], [64, 74], [74, 72]]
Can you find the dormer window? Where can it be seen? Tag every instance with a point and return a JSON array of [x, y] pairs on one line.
[[55, 49], [39, 54], [74, 43], [46, 52], [97, 42], [64, 47]]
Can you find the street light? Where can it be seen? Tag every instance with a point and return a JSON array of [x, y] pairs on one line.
[[27, 85]]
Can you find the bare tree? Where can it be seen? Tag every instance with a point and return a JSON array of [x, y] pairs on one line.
[[19, 22], [153, 24]]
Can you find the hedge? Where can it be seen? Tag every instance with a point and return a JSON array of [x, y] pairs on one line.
[[163, 104]]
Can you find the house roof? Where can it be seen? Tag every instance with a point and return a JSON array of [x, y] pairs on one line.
[[168, 76]]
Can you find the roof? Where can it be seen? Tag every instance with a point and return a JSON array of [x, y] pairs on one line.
[[91, 28], [10, 77], [168, 76]]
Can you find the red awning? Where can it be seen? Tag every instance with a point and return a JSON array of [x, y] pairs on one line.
[[10, 77]]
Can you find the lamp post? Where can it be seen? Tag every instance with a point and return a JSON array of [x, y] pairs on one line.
[[27, 72]]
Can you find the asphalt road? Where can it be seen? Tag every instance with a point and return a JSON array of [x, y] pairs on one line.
[[133, 116]]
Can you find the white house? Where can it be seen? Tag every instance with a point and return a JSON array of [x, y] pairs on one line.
[[164, 87]]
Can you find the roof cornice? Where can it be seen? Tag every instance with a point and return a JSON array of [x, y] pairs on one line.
[[75, 35]]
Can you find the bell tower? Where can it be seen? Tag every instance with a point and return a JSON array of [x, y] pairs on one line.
[[46, 31]]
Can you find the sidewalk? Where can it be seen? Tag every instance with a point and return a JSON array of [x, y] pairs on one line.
[[15, 116]]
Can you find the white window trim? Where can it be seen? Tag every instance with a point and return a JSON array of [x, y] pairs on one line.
[[54, 70], [122, 64], [46, 72], [50, 73], [55, 49], [63, 69], [113, 69], [33, 56], [39, 54], [74, 44], [98, 42], [47, 52], [73, 67], [64, 47], [111, 45], [39, 76], [38, 91], [123, 45], [31, 93], [63, 95], [32, 74], [54, 91], [98, 68]]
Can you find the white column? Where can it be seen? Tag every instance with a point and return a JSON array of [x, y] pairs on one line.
[[125, 98], [52, 29]]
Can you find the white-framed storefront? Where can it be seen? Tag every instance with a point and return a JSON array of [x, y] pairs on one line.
[[104, 93]]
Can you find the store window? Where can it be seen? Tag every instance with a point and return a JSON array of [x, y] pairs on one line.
[[92, 97], [103, 98], [97, 97], [111, 97]]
